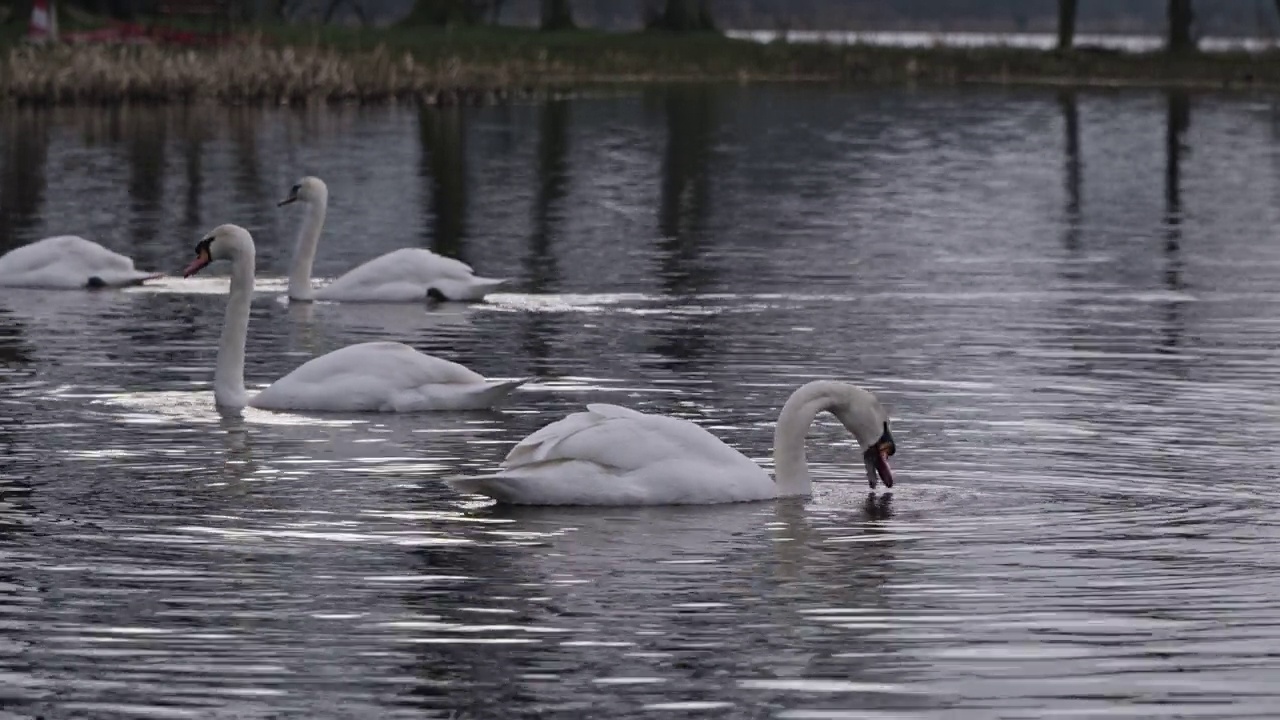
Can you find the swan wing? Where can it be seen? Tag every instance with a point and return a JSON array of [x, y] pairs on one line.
[[67, 262], [406, 275], [611, 455], [620, 438], [382, 376]]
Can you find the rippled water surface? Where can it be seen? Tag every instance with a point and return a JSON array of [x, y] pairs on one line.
[[1069, 303]]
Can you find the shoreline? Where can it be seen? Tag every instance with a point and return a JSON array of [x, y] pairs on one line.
[[301, 66]]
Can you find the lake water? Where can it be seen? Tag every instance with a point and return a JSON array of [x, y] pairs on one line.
[[1120, 42], [1069, 303]]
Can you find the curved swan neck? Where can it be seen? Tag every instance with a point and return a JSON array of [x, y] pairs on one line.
[[857, 409], [228, 378], [790, 466], [304, 253]]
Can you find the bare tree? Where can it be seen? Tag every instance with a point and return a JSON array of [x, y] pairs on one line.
[[683, 16], [1180, 19], [446, 12], [1067, 23], [20, 11], [357, 8], [557, 15]]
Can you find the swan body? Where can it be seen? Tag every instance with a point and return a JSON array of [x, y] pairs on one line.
[[68, 262], [405, 275], [368, 377], [611, 455], [408, 275], [381, 377]]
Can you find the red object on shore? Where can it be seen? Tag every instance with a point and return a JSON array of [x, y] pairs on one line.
[[43, 27]]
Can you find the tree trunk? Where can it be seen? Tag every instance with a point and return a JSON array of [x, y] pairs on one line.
[[20, 12], [557, 15], [1180, 19], [684, 16], [1067, 24], [445, 12]]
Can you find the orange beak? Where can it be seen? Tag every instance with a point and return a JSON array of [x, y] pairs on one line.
[[202, 259]]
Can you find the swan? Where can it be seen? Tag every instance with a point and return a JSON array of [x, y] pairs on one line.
[[611, 455], [404, 275], [68, 262], [373, 376]]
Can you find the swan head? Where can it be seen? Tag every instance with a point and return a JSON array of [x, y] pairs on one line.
[[225, 242], [862, 415], [308, 190]]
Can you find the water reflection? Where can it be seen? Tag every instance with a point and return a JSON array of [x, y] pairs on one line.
[[686, 189], [443, 141], [1069, 102], [193, 152], [541, 265], [1176, 125], [23, 174], [1078, 355], [685, 205], [146, 145]]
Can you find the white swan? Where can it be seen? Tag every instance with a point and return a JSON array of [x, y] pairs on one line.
[[404, 275], [68, 262], [374, 376], [612, 455]]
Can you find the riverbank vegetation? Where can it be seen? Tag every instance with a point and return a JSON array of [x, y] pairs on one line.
[[459, 58]]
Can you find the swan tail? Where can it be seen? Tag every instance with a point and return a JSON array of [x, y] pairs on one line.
[[472, 289], [497, 393], [511, 489], [493, 486]]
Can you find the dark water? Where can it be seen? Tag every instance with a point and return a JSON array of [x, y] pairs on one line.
[[1070, 304]]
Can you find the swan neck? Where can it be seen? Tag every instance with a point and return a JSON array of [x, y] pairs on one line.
[[304, 253], [791, 468], [228, 379]]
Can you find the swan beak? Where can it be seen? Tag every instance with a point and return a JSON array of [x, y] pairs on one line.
[[876, 459], [882, 466], [293, 198], [202, 259]]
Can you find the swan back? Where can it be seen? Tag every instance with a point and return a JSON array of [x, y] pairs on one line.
[[67, 262], [619, 438], [407, 274], [611, 455], [382, 377]]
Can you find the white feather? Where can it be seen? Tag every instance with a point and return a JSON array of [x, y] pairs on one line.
[[382, 377], [67, 262], [369, 377], [404, 275], [611, 455]]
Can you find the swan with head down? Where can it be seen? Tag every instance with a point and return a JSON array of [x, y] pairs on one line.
[[373, 376], [404, 275], [68, 262], [611, 455]]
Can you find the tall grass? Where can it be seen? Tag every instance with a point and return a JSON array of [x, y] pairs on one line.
[[311, 66]]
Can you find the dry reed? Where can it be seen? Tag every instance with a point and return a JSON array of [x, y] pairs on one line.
[[442, 69], [244, 73]]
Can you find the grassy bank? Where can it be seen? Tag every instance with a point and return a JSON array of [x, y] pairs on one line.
[[309, 65]]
